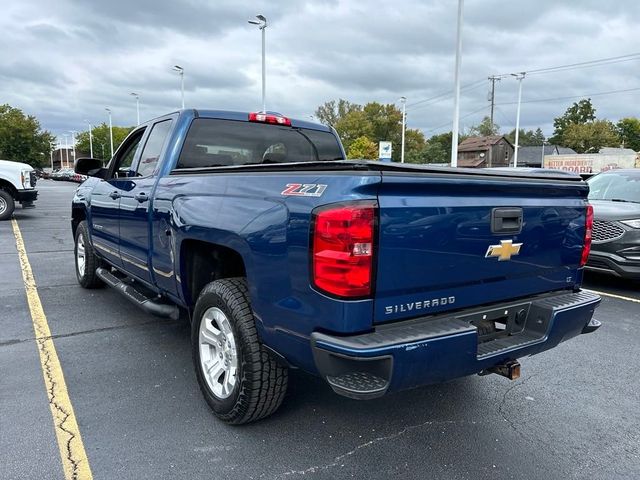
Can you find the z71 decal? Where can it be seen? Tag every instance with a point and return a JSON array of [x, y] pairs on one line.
[[304, 189]]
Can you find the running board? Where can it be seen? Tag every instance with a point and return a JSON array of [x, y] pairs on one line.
[[149, 305]]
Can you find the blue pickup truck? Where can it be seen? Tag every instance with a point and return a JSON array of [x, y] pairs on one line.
[[377, 277]]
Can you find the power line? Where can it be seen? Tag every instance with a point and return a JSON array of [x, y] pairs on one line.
[[449, 122], [537, 101], [573, 66], [537, 71], [444, 95], [540, 100]]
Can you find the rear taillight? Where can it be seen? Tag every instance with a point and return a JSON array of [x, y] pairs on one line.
[[343, 247], [587, 236], [269, 118]]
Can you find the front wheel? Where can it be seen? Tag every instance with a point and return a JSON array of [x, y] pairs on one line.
[[86, 260], [240, 381], [7, 205]]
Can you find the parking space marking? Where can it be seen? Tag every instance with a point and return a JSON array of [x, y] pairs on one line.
[[72, 453], [613, 295]]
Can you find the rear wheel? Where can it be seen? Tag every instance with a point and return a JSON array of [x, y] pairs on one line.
[[240, 381], [7, 205], [86, 260]]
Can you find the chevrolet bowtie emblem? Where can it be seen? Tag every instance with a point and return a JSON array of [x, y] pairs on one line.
[[504, 251]]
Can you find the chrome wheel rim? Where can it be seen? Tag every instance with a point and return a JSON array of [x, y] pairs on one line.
[[218, 353], [3, 205], [80, 255]]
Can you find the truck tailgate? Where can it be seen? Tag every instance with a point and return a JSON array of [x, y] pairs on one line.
[[452, 241]]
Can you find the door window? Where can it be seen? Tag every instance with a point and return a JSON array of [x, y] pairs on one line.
[[120, 165], [153, 148]]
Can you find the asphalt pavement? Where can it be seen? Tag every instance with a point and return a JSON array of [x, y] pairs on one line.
[[574, 413]]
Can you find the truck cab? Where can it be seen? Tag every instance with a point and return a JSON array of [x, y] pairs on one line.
[[17, 185]]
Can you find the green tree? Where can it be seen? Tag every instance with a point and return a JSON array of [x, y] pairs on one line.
[[484, 129], [527, 138], [375, 121], [101, 141], [352, 126], [629, 132], [591, 137], [331, 112], [363, 147], [579, 113], [22, 139]]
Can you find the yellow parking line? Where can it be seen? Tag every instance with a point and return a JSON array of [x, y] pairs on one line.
[[74, 458], [612, 295]]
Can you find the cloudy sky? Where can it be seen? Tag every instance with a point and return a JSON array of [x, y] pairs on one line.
[[65, 61]]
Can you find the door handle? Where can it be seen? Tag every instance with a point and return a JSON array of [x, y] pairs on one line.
[[141, 197], [115, 195]]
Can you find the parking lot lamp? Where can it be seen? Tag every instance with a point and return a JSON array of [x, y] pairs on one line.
[[66, 150], [544, 142], [456, 89], [52, 147], [519, 77], [180, 70], [110, 130], [138, 106], [404, 122], [90, 138], [73, 144], [262, 25]]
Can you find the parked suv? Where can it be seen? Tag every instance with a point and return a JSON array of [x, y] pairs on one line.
[[615, 196], [17, 184]]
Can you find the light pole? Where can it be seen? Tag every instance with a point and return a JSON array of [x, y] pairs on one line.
[[90, 138], [73, 144], [180, 70], [456, 89], [404, 125], [134, 94], [262, 25], [66, 149], [544, 142], [51, 149], [519, 77], [110, 130]]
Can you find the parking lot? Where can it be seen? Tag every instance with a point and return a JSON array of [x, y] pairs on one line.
[[129, 376]]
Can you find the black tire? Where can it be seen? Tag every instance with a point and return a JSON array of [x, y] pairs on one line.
[[7, 205], [260, 382], [88, 277]]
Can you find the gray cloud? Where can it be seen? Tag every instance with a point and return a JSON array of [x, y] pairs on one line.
[[65, 61]]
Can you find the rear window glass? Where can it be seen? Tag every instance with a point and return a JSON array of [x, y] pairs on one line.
[[218, 143]]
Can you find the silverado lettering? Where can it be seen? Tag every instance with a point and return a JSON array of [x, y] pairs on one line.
[[408, 307]]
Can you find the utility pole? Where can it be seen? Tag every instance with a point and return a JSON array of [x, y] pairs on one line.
[[456, 89], [492, 96]]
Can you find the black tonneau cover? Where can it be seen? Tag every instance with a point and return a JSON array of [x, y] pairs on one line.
[[369, 165]]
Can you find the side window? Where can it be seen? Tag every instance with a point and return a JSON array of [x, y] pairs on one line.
[[153, 148], [122, 161]]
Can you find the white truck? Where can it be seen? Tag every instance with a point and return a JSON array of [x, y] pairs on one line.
[[17, 184]]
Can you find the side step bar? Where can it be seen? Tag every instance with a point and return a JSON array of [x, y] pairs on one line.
[[149, 305]]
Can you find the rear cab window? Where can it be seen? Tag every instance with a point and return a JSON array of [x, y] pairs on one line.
[[222, 143]]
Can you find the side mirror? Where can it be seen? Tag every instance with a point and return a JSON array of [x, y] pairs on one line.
[[91, 167]]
